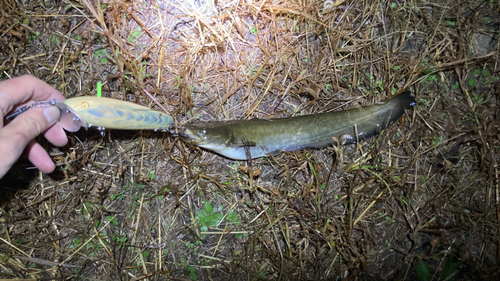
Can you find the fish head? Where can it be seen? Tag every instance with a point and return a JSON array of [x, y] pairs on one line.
[[190, 136], [202, 136]]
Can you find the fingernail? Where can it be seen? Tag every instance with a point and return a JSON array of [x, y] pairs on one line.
[[52, 113]]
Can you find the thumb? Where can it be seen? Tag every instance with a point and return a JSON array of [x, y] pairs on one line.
[[17, 134]]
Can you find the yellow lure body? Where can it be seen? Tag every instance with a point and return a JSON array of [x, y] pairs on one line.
[[116, 114]]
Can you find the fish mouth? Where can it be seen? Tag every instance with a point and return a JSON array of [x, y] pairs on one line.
[[199, 138], [189, 136]]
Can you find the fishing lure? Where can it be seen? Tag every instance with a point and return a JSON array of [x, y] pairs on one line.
[[116, 114], [103, 113]]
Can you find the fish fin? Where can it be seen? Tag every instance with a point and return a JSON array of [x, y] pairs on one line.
[[248, 143], [274, 153], [240, 142], [346, 139]]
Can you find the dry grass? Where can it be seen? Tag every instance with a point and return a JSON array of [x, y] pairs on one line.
[[418, 202]]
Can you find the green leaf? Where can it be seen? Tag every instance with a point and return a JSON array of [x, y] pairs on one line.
[[53, 39], [393, 5], [450, 267], [432, 78], [192, 273], [113, 220], [436, 140], [134, 35], [209, 208], [232, 216], [476, 72], [429, 70], [455, 86], [423, 271], [77, 241], [212, 220], [486, 73], [145, 254], [200, 214], [472, 82]]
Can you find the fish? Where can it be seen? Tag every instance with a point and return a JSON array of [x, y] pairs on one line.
[[108, 113], [255, 138]]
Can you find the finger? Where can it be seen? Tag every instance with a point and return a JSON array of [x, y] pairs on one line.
[[24, 88], [39, 157], [16, 135], [56, 135]]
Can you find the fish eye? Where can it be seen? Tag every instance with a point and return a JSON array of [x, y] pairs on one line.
[[183, 135]]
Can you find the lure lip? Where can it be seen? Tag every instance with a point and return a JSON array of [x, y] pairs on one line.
[[69, 119]]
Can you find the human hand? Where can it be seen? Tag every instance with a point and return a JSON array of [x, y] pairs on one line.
[[19, 134]]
